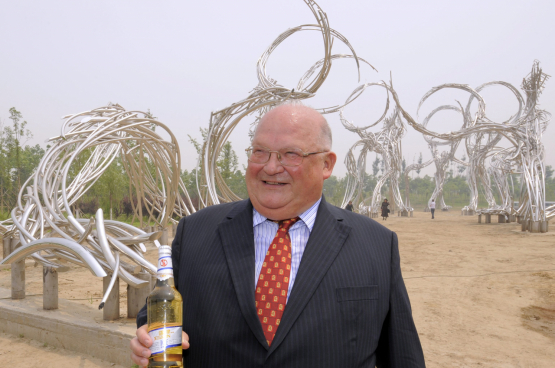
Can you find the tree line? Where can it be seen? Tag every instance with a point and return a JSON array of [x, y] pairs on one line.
[[18, 160]]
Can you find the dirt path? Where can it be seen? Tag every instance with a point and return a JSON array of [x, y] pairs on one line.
[[482, 295]]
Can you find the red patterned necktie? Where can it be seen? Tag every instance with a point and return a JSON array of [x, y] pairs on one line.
[[273, 282]]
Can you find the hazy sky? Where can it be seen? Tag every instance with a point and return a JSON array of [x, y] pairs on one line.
[[183, 60]]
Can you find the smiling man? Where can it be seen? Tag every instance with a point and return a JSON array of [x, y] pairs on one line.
[[284, 279], [279, 189]]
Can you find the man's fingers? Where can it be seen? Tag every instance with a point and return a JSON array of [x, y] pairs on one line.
[[143, 336], [139, 347], [139, 353], [141, 343], [185, 338]]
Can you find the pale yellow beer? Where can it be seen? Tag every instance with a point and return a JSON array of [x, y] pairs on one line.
[[165, 316]]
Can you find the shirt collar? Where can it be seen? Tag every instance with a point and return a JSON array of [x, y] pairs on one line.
[[308, 216]]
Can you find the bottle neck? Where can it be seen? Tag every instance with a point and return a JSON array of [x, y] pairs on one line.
[[164, 272], [167, 282]]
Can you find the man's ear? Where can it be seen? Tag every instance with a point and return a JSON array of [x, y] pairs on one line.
[[329, 162]]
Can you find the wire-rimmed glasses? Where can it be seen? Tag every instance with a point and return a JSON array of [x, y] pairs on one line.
[[287, 156]]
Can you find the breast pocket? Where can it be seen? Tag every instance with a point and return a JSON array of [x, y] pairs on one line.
[[353, 294]]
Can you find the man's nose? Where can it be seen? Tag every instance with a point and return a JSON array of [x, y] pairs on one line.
[[273, 166]]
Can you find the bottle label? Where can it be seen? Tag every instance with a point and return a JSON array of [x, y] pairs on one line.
[[165, 268], [165, 338]]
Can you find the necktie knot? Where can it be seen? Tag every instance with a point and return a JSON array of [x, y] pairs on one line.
[[286, 224]]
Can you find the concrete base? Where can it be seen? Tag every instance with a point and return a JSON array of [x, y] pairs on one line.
[[535, 226], [512, 218], [479, 219], [18, 273], [6, 246], [488, 218], [501, 219], [411, 213], [405, 213], [110, 311], [164, 237], [73, 327], [136, 298], [18, 280], [544, 227], [49, 288]]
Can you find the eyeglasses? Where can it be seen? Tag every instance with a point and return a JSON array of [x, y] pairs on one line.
[[287, 156]]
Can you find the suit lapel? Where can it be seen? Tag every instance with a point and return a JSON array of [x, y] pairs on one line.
[[326, 239], [237, 237]]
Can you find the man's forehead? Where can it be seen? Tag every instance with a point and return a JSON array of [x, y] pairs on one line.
[[288, 121]]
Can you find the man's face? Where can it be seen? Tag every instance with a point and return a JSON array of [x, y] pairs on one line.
[[280, 192]]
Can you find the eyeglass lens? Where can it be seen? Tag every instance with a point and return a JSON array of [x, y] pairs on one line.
[[288, 157]]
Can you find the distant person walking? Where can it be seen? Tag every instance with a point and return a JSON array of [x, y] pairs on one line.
[[432, 208], [349, 206], [385, 210]]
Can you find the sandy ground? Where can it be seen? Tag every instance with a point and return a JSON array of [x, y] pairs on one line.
[[20, 351], [482, 295]]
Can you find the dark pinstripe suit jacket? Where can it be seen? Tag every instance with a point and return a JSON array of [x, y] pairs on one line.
[[348, 306]]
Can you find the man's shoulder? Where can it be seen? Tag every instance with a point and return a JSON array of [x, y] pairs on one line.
[[357, 221], [216, 213]]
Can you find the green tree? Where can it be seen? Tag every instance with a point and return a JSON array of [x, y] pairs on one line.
[[228, 165], [17, 161], [461, 168], [548, 172], [376, 166], [111, 188], [334, 189], [5, 180], [419, 163]]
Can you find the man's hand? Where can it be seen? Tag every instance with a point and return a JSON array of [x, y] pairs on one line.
[[141, 343]]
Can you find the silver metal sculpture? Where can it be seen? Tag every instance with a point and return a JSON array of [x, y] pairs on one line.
[[482, 135], [387, 144], [268, 93], [46, 221], [51, 231]]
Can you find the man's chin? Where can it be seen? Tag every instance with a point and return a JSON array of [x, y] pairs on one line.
[[273, 204]]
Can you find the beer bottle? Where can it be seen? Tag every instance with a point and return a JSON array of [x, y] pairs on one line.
[[165, 316]]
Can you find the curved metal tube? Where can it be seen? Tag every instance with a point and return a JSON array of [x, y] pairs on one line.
[[56, 243]]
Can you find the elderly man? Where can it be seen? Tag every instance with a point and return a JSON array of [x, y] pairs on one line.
[[284, 279]]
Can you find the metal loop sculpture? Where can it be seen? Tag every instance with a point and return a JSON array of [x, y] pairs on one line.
[[46, 219], [386, 143], [482, 136], [268, 93], [523, 131], [51, 231]]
